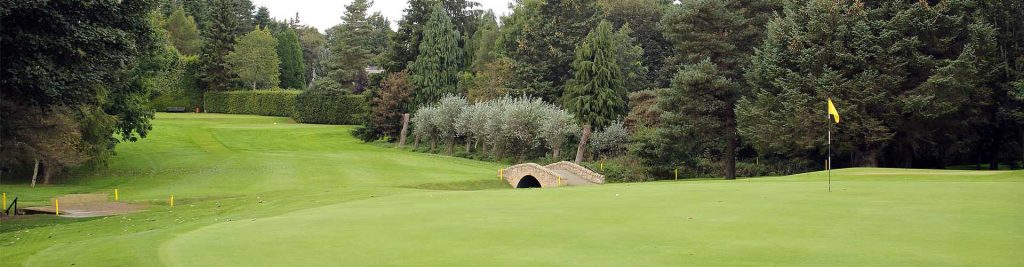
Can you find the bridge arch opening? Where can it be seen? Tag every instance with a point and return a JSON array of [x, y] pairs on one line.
[[528, 182]]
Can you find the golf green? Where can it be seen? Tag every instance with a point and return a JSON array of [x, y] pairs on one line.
[[263, 191]]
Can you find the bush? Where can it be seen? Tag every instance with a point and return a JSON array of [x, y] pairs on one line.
[[279, 103], [622, 169], [330, 107]]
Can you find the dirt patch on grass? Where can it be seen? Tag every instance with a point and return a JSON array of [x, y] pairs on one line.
[[87, 205]]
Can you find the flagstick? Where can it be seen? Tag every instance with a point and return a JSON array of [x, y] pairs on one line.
[[829, 165]]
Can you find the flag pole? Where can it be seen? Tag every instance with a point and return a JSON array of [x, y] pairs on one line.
[[829, 165]]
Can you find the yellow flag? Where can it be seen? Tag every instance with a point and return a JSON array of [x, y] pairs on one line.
[[832, 110]]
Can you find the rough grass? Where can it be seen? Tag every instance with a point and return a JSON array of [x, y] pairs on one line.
[[258, 191]]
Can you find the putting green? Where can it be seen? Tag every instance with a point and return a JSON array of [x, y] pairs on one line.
[[250, 192]]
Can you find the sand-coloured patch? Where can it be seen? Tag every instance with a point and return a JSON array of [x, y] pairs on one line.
[[87, 205]]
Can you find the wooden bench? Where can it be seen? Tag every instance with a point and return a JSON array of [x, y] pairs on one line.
[[176, 109]]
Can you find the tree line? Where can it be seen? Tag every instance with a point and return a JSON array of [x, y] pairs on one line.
[[713, 88], [736, 87]]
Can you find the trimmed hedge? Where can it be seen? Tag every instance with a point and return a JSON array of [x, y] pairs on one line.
[[279, 103], [330, 107]]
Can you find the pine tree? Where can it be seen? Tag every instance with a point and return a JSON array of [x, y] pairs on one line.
[[481, 52], [293, 70], [262, 17], [219, 40], [436, 69], [255, 61], [183, 32], [349, 54], [405, 43], [244, 13], [540, 37], [634, 73], [596, 93]]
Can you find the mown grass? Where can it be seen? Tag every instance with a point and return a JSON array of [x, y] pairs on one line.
[[259, 191]]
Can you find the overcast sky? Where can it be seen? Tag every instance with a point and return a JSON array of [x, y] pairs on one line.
[[324, 14]]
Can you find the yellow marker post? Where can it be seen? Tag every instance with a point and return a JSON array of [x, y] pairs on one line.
[[602, 166], [4, 204], [559, 180], [115, 194], [56, 207], [677, 173], [172, 200], [501, 174]]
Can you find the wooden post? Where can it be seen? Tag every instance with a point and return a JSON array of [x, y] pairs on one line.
[[405, 130]]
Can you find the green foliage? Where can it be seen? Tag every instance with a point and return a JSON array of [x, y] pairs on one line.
[[596, 94], [404, 47], [540, 37], [176, 86], [293, 70], [330, 107], [387, 106], [634, 73], [183, 32], [281, 103], [262, 18], [481, 52], [644, 18], [905, 77], [218, 42], [698, 114], [254, 60], [312, 42], [349, 45], [436, 68], [74, 83]]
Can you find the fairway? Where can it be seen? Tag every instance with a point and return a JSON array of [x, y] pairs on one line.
[[264, 191]]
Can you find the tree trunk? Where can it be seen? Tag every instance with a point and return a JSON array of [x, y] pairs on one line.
[[47, 173], [433, 144], [449, 145], [405, 130], [254, 85], [730, 145], [416, 143], [555, 151], [730, 155], [583, 143], [497, 151], [469, 144], [35, 173]]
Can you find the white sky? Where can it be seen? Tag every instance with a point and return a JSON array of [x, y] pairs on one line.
[[324, 14]]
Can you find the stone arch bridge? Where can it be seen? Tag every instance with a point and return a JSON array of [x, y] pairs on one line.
[[557, 174]]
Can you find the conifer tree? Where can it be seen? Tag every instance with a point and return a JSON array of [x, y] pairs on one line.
[[349, 54], [255, 61], [596, 93], [435, 70], [220, 39], [293, 71], [631, 56], [262, 17], [183, 32], [540, 36]]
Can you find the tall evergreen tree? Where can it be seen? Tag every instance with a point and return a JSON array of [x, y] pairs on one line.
[[262, 18], [348, 45], [435, 70], [244, 12], [254, 60], [293, 70], [713, 40], [540, 37], [183, 32], [219, 41], [312, 42], [481, 50], [631, 59], [405, 43], [596, 93], [644, 18]]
